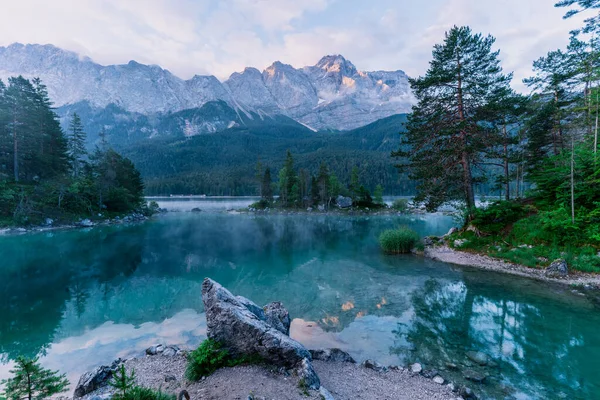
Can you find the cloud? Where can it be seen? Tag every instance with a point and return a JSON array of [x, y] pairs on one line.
[[206, 37]]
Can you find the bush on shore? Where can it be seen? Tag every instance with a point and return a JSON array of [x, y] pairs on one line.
[[209, 357], [400, 205], [399, 241]]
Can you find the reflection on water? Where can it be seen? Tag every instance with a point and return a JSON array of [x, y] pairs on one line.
[[86, 297], [215, 203]]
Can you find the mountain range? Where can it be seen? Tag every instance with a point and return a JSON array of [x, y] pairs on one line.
[[331, 95]]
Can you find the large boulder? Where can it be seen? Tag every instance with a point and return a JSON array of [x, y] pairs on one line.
[[558, 269], [343, 202], [93, 380], [239, 330]]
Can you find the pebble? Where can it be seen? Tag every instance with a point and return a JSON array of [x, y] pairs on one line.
[[416, 368]]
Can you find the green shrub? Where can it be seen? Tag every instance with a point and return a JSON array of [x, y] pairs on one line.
[[397, 241], [210, 356], [260, 205], [400, 205], [497, 216], [142, 393], [206, 359]]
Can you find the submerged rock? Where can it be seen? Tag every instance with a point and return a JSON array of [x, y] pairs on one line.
[[473, 375], [335, 355], [558, 269], [231, 323], [478, 357]]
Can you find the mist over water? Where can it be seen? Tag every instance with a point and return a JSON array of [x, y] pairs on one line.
[[83, 298]]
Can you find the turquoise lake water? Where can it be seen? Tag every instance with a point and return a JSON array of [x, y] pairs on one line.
[[81, 298]]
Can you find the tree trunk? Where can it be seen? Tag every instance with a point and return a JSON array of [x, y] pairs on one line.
[[506, 166], [467, 177], [15, 150], [573, 180], [596, 128]]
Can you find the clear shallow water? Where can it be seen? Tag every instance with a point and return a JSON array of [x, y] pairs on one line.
[[85, 297]]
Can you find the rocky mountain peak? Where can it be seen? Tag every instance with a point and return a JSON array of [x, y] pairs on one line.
[[337, 64]]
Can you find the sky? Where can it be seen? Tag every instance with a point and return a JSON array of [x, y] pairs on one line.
[[219, 37]]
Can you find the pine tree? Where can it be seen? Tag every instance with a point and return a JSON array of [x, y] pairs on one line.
[[122, 382], [446, 132], [266, 189], [592, 24], [76, 144], [32, 382], [378, 195], [354, 183], [323, 182]]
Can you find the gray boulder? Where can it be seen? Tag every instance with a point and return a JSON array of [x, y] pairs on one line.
[[278, 317], [343, 202], [96, 379], [241, 332], [335, 355], [558, 269]]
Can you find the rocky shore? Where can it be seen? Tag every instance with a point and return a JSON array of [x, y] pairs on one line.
[[557, 272], [287, 369]]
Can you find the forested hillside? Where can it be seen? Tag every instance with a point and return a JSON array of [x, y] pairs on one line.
[[224, 163]]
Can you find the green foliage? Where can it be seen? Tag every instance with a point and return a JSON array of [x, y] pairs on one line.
[[398, 241], [303, 386], [121, 382], [30, 380], [142, 393], [378, 195], [450, 128], [496, 216], [209, 357], [400, 205]]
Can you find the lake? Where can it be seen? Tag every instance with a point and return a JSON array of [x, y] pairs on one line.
[[80, 298]]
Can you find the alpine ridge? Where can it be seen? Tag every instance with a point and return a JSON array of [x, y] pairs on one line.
[[332, 94]]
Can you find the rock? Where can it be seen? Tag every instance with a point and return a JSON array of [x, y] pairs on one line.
[[343, 202], [241, 332], [170, 378], [557, 269], [451, 386], [375, 366], [170, 351], [428, 242], [467, 393], [86, 223], [460, 242], [321, 207], [154, 350], [416, 368], [451, 366], [307, 373], [438, 379], [452, 231], [473, 375], [335, 355], [478, 357], [49, 222], [196, 209], [278, 317], [250, 305], [94, 380], [325, 394], [430, 373]]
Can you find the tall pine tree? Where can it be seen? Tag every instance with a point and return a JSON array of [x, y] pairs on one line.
[[446, 131], [77, 149]]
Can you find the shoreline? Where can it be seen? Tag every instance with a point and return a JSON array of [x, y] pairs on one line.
[[340, 381], [448, 255]]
